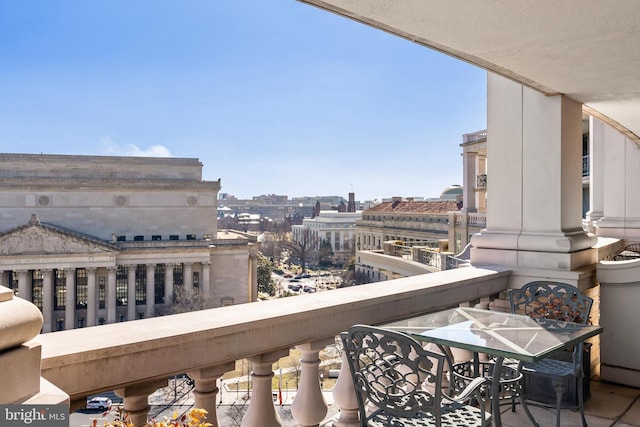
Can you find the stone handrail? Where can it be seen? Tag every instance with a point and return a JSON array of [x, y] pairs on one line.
[[134, 358]]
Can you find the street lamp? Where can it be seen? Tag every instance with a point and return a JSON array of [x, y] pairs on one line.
[[221, 387], [237, 389]]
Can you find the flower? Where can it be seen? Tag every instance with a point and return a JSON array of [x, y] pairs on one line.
[[194, 418]]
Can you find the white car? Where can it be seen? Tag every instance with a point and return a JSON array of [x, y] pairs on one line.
[[99, 402]]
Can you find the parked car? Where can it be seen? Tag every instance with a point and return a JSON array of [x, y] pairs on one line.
[[99, 402]]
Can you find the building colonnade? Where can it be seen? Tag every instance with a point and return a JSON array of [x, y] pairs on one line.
[[79, 296]]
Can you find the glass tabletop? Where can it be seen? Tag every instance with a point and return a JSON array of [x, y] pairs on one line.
[[496, 333]]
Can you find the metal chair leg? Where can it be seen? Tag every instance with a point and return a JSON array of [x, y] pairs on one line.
[[560, 386]]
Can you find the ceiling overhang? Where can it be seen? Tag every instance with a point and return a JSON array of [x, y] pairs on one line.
[[588, 50]]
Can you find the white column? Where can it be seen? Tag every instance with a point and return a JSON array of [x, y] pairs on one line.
[[309, 407], [206, 389], [534, 150], [469, 181], [253, 274], [206, 279], [151, 291], [111, 294], [187, 274], [47, 300], [92, 296], [621, 206], [131, 292], [24, 287], [262, 411], [168, 283], [70, 299], [596, 170]]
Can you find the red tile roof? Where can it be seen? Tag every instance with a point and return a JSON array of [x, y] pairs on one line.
[[440, 206]]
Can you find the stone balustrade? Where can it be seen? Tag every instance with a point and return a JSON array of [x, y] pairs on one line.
[[135, 358]]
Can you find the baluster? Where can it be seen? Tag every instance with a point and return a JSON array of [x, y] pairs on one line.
[[344, 395], [262, 411], [309, 407], [206, 389], [136, 400]]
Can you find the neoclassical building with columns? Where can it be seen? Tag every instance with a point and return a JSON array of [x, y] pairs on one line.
[[102, 239]]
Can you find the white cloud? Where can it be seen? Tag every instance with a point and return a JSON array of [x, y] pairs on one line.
[[112, 149]]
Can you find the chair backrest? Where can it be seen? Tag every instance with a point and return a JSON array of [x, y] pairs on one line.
[[551, 300], [388, 370], [633, 247]]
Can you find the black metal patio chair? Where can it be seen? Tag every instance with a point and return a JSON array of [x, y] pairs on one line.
[[545, 300], [399, 383]]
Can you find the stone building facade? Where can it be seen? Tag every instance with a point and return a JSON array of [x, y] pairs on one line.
[[336, 228], [93, 240]]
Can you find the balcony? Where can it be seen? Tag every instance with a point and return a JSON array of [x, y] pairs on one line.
[[136, 358]]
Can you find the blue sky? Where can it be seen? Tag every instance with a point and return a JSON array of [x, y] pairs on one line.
[[272, 96]]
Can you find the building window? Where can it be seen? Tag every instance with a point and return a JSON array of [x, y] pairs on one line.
[[121, 317], [36, 288], [196, 280], [60, 289], [122, 238], [191, 237], [102, 292], [156, 237], [82, 322], [138, 238], [141, 284], [140, 315], [226, 301], [121, 285], [82, 295], [102, 321], [174, 237], [60, 324], [178, 275], [159, 283]]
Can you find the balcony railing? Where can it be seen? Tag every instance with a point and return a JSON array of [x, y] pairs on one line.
[[585, 166], [475, 136], [481, 181], [136, 358]]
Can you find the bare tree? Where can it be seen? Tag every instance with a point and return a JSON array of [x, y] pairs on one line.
[[303, 246], [185, 300]]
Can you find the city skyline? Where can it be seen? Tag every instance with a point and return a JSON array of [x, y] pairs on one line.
[[273, 98]]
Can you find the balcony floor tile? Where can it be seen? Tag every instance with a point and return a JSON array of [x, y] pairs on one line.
[[610, 405]]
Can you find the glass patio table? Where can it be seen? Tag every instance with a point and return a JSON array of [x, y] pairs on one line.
[[502, 335]]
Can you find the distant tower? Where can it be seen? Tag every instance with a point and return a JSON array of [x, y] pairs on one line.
[[351, 206]]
